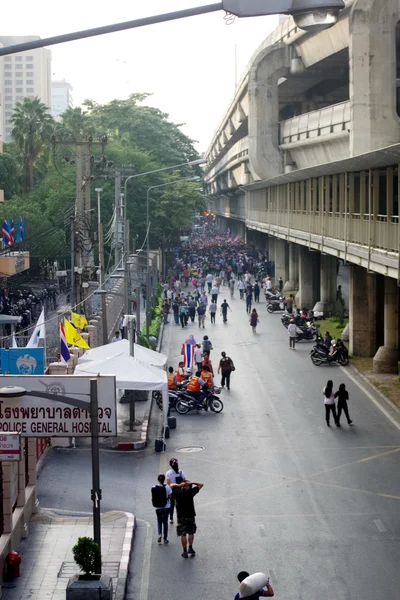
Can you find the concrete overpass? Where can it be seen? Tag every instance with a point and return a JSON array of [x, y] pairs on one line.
[[305, 162]]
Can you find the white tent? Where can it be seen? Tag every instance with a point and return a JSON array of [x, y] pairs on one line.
[[145, 355], [130, 374]]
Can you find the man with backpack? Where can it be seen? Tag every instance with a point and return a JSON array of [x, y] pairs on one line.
[[161, 499], [207, 345], [226, 367]]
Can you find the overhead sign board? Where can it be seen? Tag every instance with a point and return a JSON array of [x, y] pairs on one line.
[[37, 417], [10, 447]]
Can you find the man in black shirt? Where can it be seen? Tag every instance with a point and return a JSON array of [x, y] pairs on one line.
[[184, 493]]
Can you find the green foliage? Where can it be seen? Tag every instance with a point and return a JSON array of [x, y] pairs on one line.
[[87, 555]]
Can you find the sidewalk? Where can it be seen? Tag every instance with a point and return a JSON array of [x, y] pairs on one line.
[[47, 561]]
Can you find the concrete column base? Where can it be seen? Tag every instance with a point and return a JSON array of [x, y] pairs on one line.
[[290, 286], [386, 360], [324, 307]]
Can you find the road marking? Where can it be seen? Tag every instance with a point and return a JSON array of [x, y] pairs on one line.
[[261, 529], [145, 582], [380, 525], [370, 396], [310, 410]]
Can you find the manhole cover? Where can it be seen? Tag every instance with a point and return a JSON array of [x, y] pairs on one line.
[[189, 449]]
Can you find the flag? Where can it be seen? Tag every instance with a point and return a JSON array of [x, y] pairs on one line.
[[12, 233], [188, 355], [6, 232], [23, 228], [18, 236], [64, 352], [14, 341], [38, 333], [79, 321], [73, 337]]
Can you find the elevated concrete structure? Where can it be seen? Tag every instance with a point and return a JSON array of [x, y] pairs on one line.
[[307, 155]]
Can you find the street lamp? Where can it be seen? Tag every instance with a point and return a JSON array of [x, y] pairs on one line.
[[11, 392], [311, 15], [190, 163], [153, 187], [101, 268]]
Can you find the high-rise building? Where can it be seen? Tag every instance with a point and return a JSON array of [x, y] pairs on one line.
[[61, 97], [23, 75]]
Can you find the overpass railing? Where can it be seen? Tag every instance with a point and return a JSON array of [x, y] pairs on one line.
[[317, 123]]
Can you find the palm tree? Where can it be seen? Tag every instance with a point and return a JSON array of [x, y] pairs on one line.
[[74, 126], [32, 129]]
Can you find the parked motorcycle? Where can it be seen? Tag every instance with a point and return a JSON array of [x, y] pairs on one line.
[[173, 396], [320, 354], [275, 305], [186, 402]]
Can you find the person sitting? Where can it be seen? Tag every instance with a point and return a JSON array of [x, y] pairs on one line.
[[327, 339], [180, 373], [206, 375], [194, 387], [171, 379]]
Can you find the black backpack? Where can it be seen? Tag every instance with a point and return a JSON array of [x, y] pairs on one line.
[[159, 496]]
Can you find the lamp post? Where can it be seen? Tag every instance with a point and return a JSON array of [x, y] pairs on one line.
[[93, 405], [190, 163], [148, 283], [310, 15], [101, 268]]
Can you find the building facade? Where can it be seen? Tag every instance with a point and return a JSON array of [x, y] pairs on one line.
[[23, 75], [61, 98]]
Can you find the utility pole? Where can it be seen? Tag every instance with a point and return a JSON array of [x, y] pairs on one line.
[[78, 215], [118, 218], [72, 222]]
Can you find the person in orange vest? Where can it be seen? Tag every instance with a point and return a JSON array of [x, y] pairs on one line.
[[171, 379], [194, 387], [180, 373], [207, 376], [206, 362]]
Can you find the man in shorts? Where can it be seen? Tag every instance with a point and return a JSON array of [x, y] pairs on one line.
[[184, 494]]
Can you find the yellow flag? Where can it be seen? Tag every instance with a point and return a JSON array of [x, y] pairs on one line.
[[73, 337], [78, 320]]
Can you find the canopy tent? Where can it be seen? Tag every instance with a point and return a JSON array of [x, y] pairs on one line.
[[130, 374], [145, 355]]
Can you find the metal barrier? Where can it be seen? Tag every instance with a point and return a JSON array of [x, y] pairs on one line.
[[317, 123]]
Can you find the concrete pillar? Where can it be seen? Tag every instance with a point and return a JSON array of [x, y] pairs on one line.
[[386, 360], [280, 261], [308, 266], [293, 281], [372, 46], [269, 66], [7, 500], [272, 241], [362, 312], [328, 271]]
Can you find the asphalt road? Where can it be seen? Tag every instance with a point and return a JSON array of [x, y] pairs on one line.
[[316, 507]]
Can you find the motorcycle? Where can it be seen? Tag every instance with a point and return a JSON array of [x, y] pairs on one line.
[[275, 305], [320, 354], [186, 402], [172, 394], [307, 333]]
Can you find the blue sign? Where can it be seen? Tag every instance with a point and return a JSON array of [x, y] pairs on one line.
[[22, 361]]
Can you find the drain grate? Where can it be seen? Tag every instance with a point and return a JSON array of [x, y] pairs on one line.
[[68, 569]]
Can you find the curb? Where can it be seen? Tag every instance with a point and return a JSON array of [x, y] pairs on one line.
[[127, 549], [378, 392]]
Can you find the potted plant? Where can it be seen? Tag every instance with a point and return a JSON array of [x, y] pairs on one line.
[[89, 584]]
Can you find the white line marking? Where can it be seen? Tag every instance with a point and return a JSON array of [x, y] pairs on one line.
[[370, 396], [145, 583], [310, 410], [380, 525]]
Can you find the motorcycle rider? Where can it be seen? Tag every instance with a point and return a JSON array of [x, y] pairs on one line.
[[171, 379], [224, 310], [327, 339], [194, 387]]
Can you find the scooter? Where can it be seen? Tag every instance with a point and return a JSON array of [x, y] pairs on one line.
[[275, 305], [321, 355], [186, 402]]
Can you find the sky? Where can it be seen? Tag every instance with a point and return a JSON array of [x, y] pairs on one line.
[[187, 65]]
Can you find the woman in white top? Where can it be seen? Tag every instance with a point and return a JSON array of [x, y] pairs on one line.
[[174, 475], [329, 401]]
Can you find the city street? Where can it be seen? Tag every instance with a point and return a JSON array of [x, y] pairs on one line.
[[317, 508]]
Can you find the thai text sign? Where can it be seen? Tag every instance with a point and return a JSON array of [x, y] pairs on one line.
[[39, 417], [10, 447]]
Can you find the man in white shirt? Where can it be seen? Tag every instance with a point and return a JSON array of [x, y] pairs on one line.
[[209, 280], [214, 294], [116, 337], [268, 284], [292, 331], [174, 475]]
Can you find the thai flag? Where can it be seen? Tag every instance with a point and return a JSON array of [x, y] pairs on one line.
[[6, 232], [64, 352], [12, 233], [19, 236], [188, 355]]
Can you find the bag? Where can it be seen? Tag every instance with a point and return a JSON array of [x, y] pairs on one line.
[[159, 496]]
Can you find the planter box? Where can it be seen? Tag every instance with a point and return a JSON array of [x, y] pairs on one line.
[[98, 588]]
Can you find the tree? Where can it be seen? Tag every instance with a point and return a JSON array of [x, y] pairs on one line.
[[9, 180], [31, 132], [75, 125]]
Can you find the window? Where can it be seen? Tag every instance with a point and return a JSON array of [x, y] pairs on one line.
[[19, 74], [19, 90], [7, 58], [29, 74], [18, 58], [8, 129], [8, 106], [8, 98], [7, 67], [29, 58], [8, 82], [8, 113], [19, 82], [29, 82], [19, 98], [29, 96], [30, 90], [8, 90]]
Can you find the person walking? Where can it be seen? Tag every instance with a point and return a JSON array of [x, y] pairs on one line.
[[241, 289], [207, 345], [209, 280], [213, 310], [329, 401], [214, 294], [161, 497], [232, 287], [175, 310], [174, 475], [183, 315], [201, 314], [280, 284], [342, 395], [249, 301], [224, 311], [292, 331], [226, 367], [184, 494], [198, 356], [254, 320], [256, 290]]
